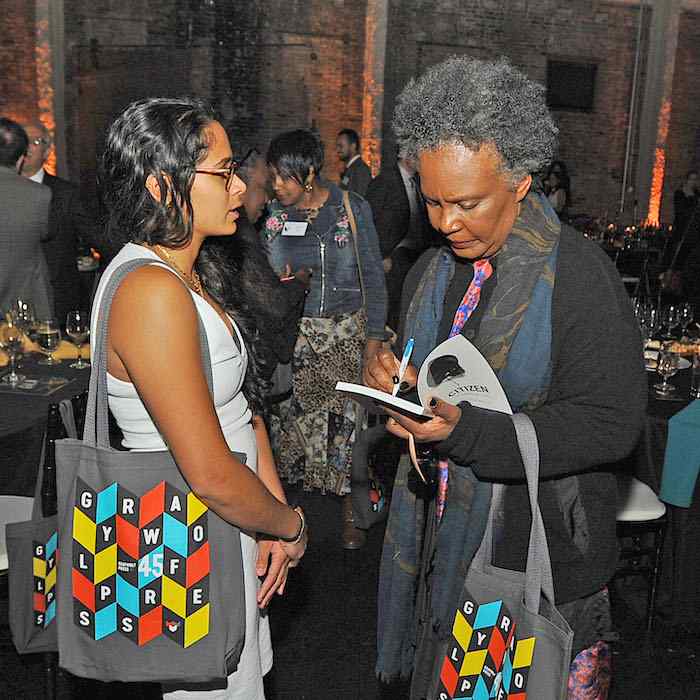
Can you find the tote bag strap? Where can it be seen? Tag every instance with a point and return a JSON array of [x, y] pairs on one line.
[[353, 228], [538, 573], [96, 431]]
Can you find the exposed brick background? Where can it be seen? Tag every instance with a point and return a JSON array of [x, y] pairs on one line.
[[18, 85], [592, 144], [270, 65], [684, 131]]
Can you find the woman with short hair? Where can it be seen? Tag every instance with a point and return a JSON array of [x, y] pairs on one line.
[[309, 226], [548, 311]]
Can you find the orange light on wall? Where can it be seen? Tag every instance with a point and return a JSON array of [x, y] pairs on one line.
[[373, 95], [657, 186], [44, 85], [659, 169]]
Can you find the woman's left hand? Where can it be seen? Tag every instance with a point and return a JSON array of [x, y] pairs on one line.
[[436, 429], [273, 563]]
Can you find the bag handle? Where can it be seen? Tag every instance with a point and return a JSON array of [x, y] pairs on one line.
[[96, 431], [538, 573], [353, 228]]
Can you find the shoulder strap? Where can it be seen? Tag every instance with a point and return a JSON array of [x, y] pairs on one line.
[[538, 573], [353, 228], [96, 429]]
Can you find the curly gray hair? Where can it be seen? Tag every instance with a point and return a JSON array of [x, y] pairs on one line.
[[473, 102]]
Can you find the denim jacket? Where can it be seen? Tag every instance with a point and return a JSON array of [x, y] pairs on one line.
[[327, 248]]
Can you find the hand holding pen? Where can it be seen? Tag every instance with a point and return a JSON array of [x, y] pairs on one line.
[[383, 370], [405, 359]]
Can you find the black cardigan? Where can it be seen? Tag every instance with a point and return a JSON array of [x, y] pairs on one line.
[[592, 417]]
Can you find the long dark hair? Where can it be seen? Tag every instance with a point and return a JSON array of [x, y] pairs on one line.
[[165, 137]]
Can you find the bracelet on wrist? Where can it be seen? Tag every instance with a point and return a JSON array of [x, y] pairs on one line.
[[302, 528]]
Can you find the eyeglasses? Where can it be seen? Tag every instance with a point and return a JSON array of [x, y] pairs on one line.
[[228, 172], [39, 142]]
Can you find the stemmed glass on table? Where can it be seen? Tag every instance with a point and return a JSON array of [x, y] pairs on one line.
[[671, 318], [48, 337], [11, 341], [78, 329], [686, 318], [666, 366], [23, 313], [648, 319]]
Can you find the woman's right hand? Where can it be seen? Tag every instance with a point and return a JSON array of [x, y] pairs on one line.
[[379, 372], [295, 550]]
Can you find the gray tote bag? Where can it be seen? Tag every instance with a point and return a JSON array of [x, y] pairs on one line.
[[508, 640], [150, 582], [32, 550]]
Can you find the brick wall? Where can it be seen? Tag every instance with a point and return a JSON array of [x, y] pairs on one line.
[[270, 65], [267, 66], [684, 131], [298, 64], [18, 82], [592, 144], [118, 51]]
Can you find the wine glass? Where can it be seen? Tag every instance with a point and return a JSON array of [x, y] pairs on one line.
[[648, 321], [48, 337], [686, 318], [11, 337], [23, 311], [671, 318], [667, 366], [78, 329]]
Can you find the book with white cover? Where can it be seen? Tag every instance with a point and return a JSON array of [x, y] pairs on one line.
[[454, 371]]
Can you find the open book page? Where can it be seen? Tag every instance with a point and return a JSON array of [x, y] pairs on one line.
[[454, 371], [371, 399]]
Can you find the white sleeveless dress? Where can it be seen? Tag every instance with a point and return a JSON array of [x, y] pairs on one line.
[[140, 434]]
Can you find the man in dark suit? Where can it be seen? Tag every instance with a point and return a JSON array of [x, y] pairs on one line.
[[24, 213], [356, 175], [402, 225], [68, 224]]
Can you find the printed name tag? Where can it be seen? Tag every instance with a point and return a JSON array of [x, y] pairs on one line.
[[295, 228]]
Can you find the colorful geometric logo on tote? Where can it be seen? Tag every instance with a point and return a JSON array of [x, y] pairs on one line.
[[141, 564], [44, 560], [485, 659]]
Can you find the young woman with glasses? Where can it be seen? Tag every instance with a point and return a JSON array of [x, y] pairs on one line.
[[169, 183]]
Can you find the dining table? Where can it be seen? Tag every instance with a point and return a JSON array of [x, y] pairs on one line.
[[23, 417]]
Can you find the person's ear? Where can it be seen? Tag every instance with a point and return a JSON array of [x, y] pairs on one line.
[[522, 188], [153, 187]]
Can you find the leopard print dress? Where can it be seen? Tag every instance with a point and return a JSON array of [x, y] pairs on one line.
[[313, 431]]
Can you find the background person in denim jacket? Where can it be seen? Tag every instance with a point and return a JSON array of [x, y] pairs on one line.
[[308, 227]]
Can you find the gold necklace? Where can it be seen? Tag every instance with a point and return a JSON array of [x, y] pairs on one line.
[[193, 281]]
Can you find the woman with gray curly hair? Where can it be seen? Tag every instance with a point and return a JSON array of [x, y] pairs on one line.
[[549, 313]]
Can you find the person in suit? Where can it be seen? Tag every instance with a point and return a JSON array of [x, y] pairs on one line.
[[402, 225], [69, 225], [356, 175], [24, 212]]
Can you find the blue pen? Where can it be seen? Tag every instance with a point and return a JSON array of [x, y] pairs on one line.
[[407, 352]]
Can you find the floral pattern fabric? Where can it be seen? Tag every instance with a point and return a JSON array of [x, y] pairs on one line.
[[313, 432], [590, 673]]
